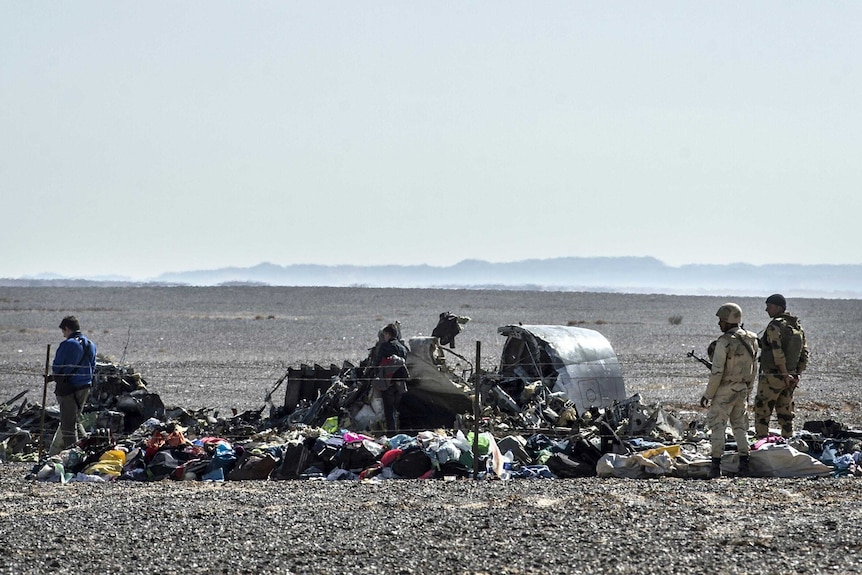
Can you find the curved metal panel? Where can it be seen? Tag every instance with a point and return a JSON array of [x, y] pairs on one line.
[[587, 369]]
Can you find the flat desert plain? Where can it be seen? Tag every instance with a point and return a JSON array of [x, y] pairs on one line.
[[225, 347]]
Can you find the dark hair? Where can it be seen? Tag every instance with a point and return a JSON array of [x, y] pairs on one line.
[[70, 322], [391, 330]]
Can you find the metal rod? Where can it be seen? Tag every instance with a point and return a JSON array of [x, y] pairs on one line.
[[44, 401], [476, 388]]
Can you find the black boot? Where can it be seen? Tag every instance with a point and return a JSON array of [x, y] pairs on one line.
[[744, 470], [715, 468]]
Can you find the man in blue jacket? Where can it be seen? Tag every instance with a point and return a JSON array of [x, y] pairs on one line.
[[72, 372]]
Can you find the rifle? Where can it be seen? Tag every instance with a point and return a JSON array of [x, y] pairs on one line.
[[705, 362]]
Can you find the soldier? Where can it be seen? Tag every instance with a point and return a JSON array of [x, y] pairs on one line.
[[730, 385], [782, 361]]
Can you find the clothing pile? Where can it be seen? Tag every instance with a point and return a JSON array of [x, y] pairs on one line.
[[134, 437], [158, 451]]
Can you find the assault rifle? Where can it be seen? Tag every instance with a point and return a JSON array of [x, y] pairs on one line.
[[705, 362]]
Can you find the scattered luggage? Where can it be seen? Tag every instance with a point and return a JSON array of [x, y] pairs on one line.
[[136, 438]]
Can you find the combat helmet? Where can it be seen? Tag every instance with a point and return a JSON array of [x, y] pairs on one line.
[[730, 312]]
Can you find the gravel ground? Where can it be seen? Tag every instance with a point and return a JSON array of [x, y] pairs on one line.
[[415, 527], [225, 347]]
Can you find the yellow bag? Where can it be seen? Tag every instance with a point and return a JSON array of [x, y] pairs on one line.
[[110, 463], [672, 450]]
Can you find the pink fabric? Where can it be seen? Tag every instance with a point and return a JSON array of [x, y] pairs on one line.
[[777, 439], [213, 440], [353, 437]]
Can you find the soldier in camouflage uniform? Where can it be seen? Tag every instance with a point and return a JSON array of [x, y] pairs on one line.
[[782, 361], [730, 385]]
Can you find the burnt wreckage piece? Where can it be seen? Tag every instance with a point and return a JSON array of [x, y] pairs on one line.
[[549, 376], [448, 327]]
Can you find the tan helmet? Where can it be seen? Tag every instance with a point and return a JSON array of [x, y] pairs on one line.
[[730, 312]]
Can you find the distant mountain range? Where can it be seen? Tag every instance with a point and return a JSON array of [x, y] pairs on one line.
[[620, 274]]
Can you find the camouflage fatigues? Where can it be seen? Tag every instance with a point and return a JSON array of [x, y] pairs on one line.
[[783, 344], [730, 384], [773, 393]]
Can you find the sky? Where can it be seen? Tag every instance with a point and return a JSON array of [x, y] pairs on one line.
[[138, 138]]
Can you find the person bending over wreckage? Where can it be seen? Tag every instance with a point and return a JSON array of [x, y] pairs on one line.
[[390, 360], [730, 383]]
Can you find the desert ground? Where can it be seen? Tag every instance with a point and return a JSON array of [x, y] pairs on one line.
[[225, 347]]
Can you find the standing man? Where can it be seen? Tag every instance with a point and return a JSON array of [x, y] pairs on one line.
[[782, 361], [390, 355], [72, 372], [730, 384]]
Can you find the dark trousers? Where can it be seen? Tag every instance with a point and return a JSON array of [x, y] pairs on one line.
[[70, 429], [391, 399]]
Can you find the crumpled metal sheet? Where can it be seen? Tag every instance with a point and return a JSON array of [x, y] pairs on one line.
[[577, 361]]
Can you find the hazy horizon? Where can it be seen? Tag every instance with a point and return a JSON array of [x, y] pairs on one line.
[[609, 275], [48, 274]]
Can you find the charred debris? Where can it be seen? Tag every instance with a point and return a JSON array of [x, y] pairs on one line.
[[558, 391]]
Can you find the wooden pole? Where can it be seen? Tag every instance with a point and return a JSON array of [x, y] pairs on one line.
[[44, 401], [476, 411]]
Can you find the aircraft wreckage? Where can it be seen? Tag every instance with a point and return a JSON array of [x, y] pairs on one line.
[[548, 376], [552, 381]]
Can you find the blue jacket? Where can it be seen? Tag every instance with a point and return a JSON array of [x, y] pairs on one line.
[[76, 357]]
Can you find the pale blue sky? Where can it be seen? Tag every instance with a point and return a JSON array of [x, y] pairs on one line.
[[141, 138]]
